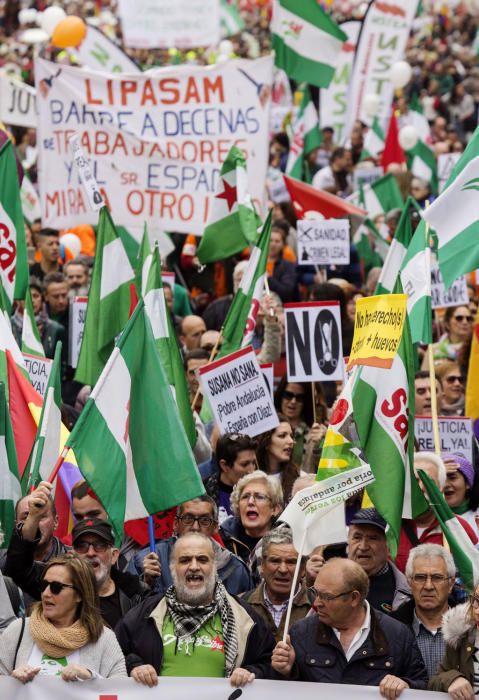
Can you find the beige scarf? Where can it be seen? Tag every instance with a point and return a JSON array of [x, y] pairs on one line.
[[54, 641]]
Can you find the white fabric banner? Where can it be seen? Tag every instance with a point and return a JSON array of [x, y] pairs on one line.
[[43, 688], [17, 103], [164, 24], [98, 52], [156, 141], [381, 43]]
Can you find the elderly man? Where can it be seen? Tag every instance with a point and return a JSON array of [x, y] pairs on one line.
[[431, 571], [192, 328], [270, 598], [197, 515], [196, 628], [348, 641]]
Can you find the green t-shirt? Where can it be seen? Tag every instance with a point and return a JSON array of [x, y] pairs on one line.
[[201, 655]]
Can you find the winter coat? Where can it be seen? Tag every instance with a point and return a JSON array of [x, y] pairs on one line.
[[301, 607], [459, 634]]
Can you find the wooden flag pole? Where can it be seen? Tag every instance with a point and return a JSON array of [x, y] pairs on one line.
[[313, 393], [211, 358], [432, 380], [293, 587]]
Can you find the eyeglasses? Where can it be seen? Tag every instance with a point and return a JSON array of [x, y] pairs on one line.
[[257, 497], [189, 519], [461, 318], [452, 379], [56, 587], [474, 602], [83, 546], [290, 395], [328, 597], [436, 579]]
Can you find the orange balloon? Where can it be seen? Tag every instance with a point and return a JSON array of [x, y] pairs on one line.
[[69, 32]]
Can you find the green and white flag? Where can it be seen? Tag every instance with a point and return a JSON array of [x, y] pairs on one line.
[[416, 282], [129, 442], [454, 216], [373, 141], [231, 22], [109, 301], [306, 137], [380, 197], [397, 251], [145, 256], [466, 556], [167, 345], [14, 266], [8, 342], [10, 490], [31, 341], [240, 322], [422, 163], [306, 41], [233, 221]]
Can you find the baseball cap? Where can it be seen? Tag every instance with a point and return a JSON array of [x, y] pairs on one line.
[[93, 526], [369, 516]]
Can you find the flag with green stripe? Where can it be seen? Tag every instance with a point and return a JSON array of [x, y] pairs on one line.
[[416, 282], [422, 163], [10, 490], [373, 141], [231, 22], [379, 197], [306, 137], [397, 251], [31, 341]]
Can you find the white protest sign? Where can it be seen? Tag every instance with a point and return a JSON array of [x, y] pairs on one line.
[[156, 141], [98, 52], [366, 175], [455, 433], [39, 369], [445, 165], [454, 296], [31, 206], [88, 181], [77, 322], [323, 242], [157, 24], [238, 394], [17, 103], [268, 374], [314, 349]]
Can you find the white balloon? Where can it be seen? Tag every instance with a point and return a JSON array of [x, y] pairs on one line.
[[35, 35], [401, 73], [51, 17], [225, 47], [408, 137], [27, 16], [72, 242], [371, 104]]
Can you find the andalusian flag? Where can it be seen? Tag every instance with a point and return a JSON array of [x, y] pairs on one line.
[[129, 442], [306, 41], [108, 301], [416, 282], [422, 162], [397, 251], [454, 216], [233, 222], [306, 137], [373, 141], [143, 264], [31, 341], [379, 197], [231, 22], [10, 490]]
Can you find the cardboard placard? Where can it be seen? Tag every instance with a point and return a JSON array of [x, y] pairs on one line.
[[39, 369], [455, 432], [441, 297], [377, 330], [77, 323], [324, 242]]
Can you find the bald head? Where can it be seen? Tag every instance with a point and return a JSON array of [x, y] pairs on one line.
[[192, 328]]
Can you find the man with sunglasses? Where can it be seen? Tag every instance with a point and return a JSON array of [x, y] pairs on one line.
[[198, 515], [347, 641]]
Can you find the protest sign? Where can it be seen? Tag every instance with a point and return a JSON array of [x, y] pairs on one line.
[[314, 349], [455, 432], [366, 175], [164, 24], [268, 374], [87, 179], [39, 369], [17, 103], [156, 141], [323, 242], [454, 296], [30, 200], [238, 394], [445, 165], [378, 330], [98, 52], [76, 324]]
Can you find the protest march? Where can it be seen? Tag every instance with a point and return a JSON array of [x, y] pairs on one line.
[[239, 349]]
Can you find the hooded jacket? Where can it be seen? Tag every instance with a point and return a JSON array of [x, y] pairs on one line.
[[459, 633]]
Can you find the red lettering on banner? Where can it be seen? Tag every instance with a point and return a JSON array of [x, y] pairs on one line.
[[108, 697]]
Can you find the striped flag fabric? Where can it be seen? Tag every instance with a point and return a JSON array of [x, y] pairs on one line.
[[31, 341], [373, 141], [306, 41], [306, 137], [416, 282], [422, 163], [397, 251], [10, 490], [379, 197], [231, 22], [143, 264]]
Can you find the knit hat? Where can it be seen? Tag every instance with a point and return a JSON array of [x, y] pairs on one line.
[[464, 466]]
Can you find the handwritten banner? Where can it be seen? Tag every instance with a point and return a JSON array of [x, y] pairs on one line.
[[17, 103], [323, 242], [378, 330], [455, 433], [441, 297], [39, 369]]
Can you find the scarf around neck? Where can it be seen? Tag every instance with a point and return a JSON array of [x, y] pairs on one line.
[[57, 642]]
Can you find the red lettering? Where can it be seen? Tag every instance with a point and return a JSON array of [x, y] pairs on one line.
[[127, 87], [398, 401], [173, 90], [192, 94], [90, 100]]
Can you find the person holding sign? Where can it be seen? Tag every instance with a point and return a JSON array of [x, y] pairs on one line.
[[275, 455]]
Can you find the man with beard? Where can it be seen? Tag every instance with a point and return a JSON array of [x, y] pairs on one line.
[[196, 628]]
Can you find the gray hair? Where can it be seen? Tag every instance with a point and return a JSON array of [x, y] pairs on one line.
[[280, 535], [427, 551], [438, 463], [204, 498], [196, 535], [273, 484]]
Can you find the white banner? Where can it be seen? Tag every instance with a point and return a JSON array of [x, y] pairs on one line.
[[98, 52], [314, 349], [323, 242], [30, 200], [238, 394], [333, 100], [163, 24], [381, 43], [39, 369], [17, 103], [441, 297], [46, 688], [445, 165], [455, 433], [156, 141], [76, 325]]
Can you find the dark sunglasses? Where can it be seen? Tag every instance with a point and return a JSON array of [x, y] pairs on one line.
[[461, 318], [290, 395], [55, 586], [453, 379], [83, 546]]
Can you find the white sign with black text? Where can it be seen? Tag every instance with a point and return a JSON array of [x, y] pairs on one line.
[[314, 349], [455, 433], [77, 323], [238, 394], [323, 242], [454, 296], [39, 369]]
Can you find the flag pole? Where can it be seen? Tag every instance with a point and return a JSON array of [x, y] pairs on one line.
[[58, 464], [293, 587], [432, 379], [151, 533], [313, 393], [211, 358]]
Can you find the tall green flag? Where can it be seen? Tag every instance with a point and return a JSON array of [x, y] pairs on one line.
[[416, 281], [129, 442], [10, 490], [31, 341], [422, 163], [108, 301], [397, 250], [306, 137], [143, 262]]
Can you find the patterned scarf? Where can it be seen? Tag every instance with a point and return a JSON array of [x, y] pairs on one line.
[[188, 619]]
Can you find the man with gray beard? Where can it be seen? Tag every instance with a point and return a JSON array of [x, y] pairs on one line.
[[196, 628]]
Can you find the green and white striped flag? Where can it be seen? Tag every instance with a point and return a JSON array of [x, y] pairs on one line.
[[233, 221], [454, 216], [397, 251], [165, 338], [231, 22], [373, 141], [31, 341], [416, 282], [466, 556], [10, 490], [422, 163], [145, 256], [306, 41], [306, 137], [109, 301], [380, 197], [129, 442]]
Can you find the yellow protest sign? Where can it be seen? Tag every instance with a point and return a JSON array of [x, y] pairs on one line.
[[378, 330]]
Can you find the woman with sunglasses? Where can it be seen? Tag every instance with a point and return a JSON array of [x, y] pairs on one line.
[[457, 323], [458, 673], [65, 635], [452, 382]]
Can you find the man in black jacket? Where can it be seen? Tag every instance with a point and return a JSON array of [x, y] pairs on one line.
[[197, 628]]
